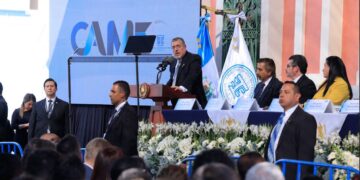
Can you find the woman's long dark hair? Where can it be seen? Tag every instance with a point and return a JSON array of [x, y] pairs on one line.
[[337, 69], [104, 161]]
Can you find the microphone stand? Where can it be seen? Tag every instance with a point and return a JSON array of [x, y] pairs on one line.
[[160, 69]]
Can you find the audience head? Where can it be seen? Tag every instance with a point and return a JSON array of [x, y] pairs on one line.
[[42, 163], [104, 161], [265, 68], [172, 172], [71, 168], [51, 137], [50, 87], [215, 171], [119, 92], [210, 156], [334, 67], [178, 47], [69, 146], [246, 161], [296, 66], [289, 95], [36, 144], [125, 163], [135, 174], [93, 147], [10, 166], [264, 171]]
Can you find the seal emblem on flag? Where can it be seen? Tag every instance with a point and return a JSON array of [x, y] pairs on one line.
[[238, 81]]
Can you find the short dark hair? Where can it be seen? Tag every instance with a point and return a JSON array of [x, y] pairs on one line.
[[299, 61], [69, 146], [179, 39], [124, 86], [10, 166], [50, 79], [269, 65], [1, 88], [296, 87], [210, 156], [248, 160], [125, 163], [215, 171], [34, 145], [42, 163], [70, 168]]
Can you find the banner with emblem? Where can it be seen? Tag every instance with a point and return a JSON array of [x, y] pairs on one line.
[[209, 69], [238, 78]]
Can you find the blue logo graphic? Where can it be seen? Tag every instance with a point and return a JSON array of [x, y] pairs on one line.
[[238, 81], [95, 38]]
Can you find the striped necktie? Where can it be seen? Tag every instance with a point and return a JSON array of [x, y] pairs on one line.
[[274, 135], [177, 67]]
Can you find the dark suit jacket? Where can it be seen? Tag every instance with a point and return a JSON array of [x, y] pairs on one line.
[[123, 130], [58, 121], [88, 172], [307, 88], [6, 132], [3, 109], [271, 91], [189, 76], [297, 141]]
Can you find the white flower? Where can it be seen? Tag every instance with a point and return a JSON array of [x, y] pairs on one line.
[[331, 156], [220, 140], [185, 146], [211, 145], [350, 159], [236, 144], [205, 143], [165, 143]]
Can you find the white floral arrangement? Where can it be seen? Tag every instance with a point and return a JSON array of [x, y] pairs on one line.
[[174, 142], [333, 150]]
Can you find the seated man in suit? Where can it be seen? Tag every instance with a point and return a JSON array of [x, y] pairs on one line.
[[295, 70], [269, 86], [185, 72], [122, 128], [49, 115], [294, 135]]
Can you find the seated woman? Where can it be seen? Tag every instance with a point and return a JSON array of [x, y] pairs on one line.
[[336, 86], [20, 119]]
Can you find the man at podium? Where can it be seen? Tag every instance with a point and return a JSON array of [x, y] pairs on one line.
[[185, 72]]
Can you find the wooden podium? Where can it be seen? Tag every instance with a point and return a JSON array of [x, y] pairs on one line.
[[160, 94]]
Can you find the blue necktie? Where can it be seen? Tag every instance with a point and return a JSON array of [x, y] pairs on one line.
[[258, 90], [274, 135]]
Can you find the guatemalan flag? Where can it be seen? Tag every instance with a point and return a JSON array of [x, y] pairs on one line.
[[209, 69], [238, 78]]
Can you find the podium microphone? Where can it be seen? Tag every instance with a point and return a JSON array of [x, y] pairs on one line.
[[166, 61]]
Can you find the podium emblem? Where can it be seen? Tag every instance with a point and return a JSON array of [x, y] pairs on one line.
[[144, 90]]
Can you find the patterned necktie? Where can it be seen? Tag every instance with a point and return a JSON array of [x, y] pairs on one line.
[[115, 113], [258, 90], [49, 107], [274, 135], [177, 67]]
